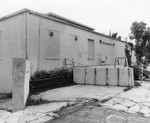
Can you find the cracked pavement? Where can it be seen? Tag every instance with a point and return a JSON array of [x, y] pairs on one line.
[[136, 100], [86, 103], [95, 113]]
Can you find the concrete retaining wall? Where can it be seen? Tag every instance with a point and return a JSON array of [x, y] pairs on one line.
[[104, 76], [90, 76], [79, 75], [20, 77], [112, 76], [100, 76]]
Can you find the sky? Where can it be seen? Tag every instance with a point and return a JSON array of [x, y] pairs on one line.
[[103, 15]]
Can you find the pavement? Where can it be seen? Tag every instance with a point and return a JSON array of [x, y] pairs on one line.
[[95, 113], [84, 104], [136, 100]]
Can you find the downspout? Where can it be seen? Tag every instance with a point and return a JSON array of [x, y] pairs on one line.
[[78, 53], [39, 34], [113, 51], [26, 35]]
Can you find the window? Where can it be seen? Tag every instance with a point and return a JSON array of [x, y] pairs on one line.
[[52, 50], [90, 49]]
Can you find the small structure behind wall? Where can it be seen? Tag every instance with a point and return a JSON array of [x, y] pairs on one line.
[[20, 76]]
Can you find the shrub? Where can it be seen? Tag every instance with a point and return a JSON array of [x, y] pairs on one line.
[[137, 72], [43, 79], [52, 74]]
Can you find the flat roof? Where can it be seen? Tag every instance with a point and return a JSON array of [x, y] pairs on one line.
[[60, 19]]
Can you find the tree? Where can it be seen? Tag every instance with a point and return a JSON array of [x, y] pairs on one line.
[[140, 33], [119, 37], [138, 30], [114, 35], [129, 47]]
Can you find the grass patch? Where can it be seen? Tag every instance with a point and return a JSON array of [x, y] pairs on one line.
[[137, 84], [127, 88], [140, 113], [105, 100], [31, 102]]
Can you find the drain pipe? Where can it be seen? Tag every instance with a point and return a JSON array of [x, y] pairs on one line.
[[39, 34], [26, 35]]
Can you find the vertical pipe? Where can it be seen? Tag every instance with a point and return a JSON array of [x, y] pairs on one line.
[[113, 51], [78, 56], [39, 33], [26, 35]]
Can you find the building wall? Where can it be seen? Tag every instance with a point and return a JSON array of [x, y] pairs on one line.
[[45, 51], [12, 44], [67, 46], [119, 49]]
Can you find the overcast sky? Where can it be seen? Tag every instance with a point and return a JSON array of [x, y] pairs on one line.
[[103, 15]]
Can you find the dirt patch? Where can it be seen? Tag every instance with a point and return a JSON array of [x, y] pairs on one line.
[[93, 112], [71, 109], [127, 88], [31, 101], [137, 84]]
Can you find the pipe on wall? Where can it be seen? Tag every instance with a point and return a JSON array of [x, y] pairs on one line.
[[39, 34], [26, 55]]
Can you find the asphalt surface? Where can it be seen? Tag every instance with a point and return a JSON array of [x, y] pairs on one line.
[[95, 113]]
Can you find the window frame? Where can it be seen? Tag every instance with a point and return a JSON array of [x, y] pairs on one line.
[[93, 54]]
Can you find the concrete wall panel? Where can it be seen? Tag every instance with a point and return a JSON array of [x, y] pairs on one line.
[[123, 76], [104, 76], [131, 77], [79, 75], [21, 77], [91, 76], [100, 76], [112, 77]]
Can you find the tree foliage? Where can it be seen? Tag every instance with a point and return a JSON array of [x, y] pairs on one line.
[[140, 32], [115, 35], [129, 47]]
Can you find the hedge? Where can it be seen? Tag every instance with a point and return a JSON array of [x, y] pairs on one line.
[[137, 72], [44, 80]]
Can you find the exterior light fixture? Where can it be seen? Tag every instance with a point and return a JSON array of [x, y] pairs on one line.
[[100, 41], [51, 33], [76, 38]]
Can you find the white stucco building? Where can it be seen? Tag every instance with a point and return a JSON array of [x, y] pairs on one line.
[[46, 39]]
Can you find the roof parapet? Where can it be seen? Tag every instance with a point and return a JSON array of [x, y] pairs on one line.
[[50, 14]]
